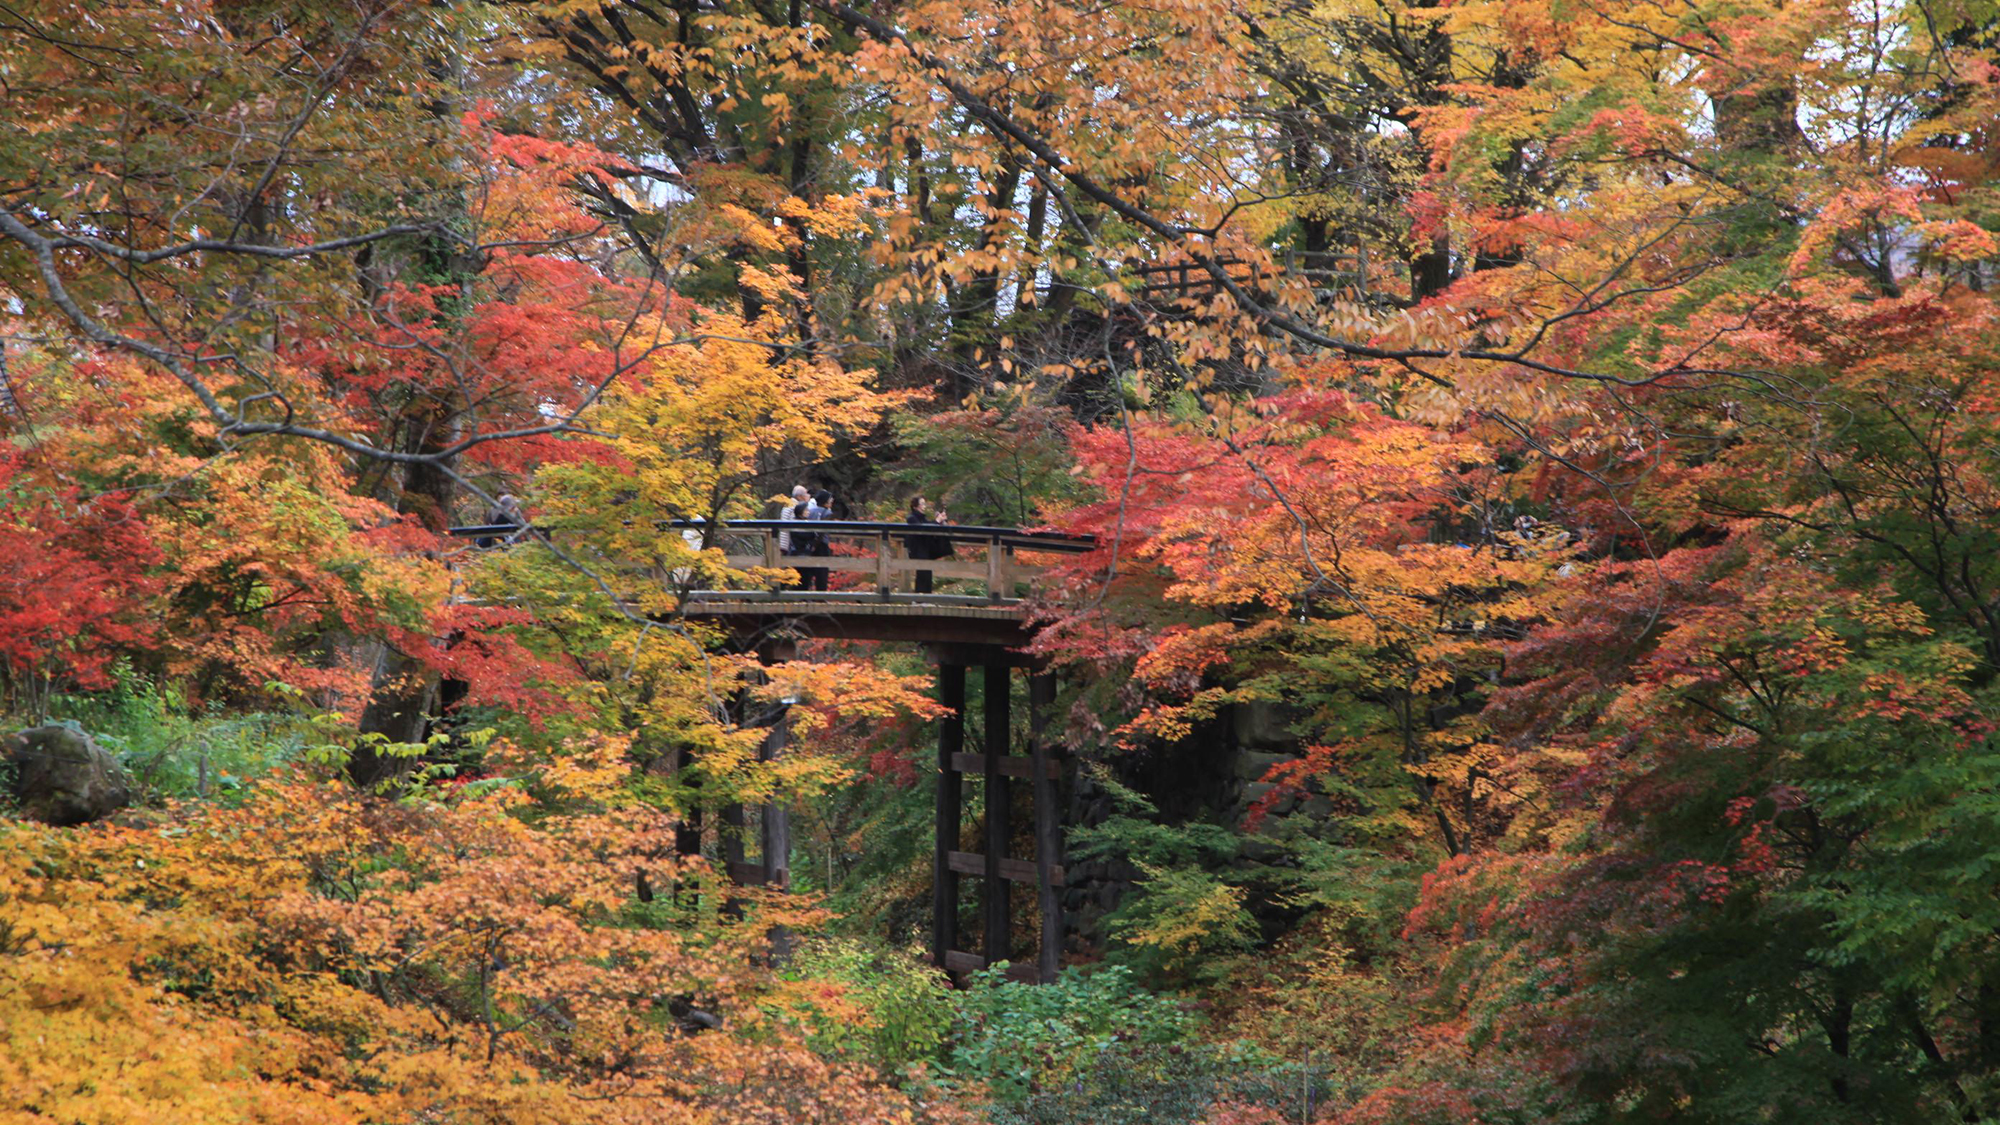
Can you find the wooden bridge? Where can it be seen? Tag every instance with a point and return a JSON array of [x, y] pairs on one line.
[[976, 596], [1177, 283], [967, 610]]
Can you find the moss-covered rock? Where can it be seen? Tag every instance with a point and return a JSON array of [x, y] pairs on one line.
[[61, 776]]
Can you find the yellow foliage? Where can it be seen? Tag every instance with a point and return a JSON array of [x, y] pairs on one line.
[[316, 956]]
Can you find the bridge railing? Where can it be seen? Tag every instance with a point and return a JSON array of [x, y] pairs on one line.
[[1001, 563]]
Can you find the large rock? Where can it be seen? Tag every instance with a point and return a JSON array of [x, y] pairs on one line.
[[1252, 765], [61, 776], [1265, 724]]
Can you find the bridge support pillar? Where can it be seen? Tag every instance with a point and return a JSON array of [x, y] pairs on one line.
[[1048, 828], [999, 709], [951, 742], [995, 766]]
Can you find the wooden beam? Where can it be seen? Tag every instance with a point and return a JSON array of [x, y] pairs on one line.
[[1012, 870], [1012, 765], [958, 961], [971, 652], [982, 633], [999, 703], [993, 569], [944, 878], [883, 566]]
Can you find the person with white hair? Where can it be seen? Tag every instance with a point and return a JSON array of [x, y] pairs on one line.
[[506, 512], [792, 511]]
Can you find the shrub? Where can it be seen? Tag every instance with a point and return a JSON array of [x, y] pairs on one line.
[[895, 1009], [174, 750], [1178, 1085], [1017, 1039]]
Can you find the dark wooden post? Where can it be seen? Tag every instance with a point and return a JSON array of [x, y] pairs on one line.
[[687, 833], [777, 819], [1048, 835], [999, 687], [735, 857], [733, 853], [777, 832], [951, 740]]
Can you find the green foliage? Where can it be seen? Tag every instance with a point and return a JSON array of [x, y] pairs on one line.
[[905, 1004], [1017, 1039], [1002, 460], [1132, 834], [1188, 910], [1096, 1049], [1179, 919], [174, 750], [1175, 1085], [1357, 893]]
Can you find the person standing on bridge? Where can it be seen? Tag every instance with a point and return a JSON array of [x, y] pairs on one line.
[[792, 511], [926, 546], [505, 512], [816, 545]]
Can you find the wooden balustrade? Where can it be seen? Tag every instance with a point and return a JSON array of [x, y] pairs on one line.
[[999, 560], [1330, 273]]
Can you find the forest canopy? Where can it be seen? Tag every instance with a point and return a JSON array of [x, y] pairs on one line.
[[1513, 638]]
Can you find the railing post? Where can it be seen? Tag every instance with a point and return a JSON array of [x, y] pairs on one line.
[[993, 567], [882, 564]]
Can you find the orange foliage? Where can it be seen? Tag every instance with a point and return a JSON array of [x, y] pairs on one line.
[[317, 956]]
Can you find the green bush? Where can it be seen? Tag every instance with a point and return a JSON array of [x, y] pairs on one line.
[[1016, 1039], [174, 750], [1175, 1085], [906, 1004], [1096, 1049]]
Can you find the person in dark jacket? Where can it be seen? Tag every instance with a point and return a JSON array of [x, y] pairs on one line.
[[505, 512], [926, 546], [817, 545]]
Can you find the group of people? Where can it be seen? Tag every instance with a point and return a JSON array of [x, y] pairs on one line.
[[807, 505]]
